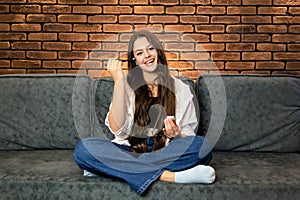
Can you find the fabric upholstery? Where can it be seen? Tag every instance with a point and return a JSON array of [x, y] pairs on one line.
[[37, 112], [52, 174], [262, 112]]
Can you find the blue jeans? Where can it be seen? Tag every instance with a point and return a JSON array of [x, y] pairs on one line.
[[101, 156]]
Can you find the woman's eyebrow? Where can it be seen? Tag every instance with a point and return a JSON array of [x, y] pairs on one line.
[[142, 49]]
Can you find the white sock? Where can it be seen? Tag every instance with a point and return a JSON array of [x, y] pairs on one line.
[[198, 174]]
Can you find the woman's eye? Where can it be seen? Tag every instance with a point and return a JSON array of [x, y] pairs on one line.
[[151, 48], [138, 53]]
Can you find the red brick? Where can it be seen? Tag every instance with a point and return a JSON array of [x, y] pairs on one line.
[[163, 2], [225, 19], [4, 9], [180, 10], [172, 55], [41, 55], [72, 18], [272, 28], [285, 38], [168, 37], [239, 10], [286, 2], [26, 27], [87, 28], [26, 45], [225, 37], [239, 65], [195, 2], [4, 63], [286, 56], [104, 55], [117, 28], [294, 73], [255, 72], [42, 1], [12, 36], [210, 28], [180, 65], [133, 19], [256, 38], [225, 56], [73, 37], [12, 18], [154, 28], [40, 18], [87, 9], [72, 55], [240, 46], [194, 56], [286, 19], [12, 71], [193, 74], [41, 71], [211, 10], [57, 9], [26, 8], [163, 19], [195, 38], [98, 73], [12, 54], [294, 28], [117, 9], [211, 65], [179, 46], [293, 66], [72, 1], [226, 2], [86, 46], [42, 36], [57, 27], [56, 64], [272, 10], [271, 47], [86, 64], [4, 27], [114, 46], [241, 29], [257, 2], [4, 45], [294, 47], [103, 2], [194, 19], [148, 9], [256, 56], [256, 19], [26, 64], [133, 2], [71, 71], [13, 1], [269, 65], [179, 28], [56, 46], [294, 10], [103, 37], [210, 47], [102, 19]]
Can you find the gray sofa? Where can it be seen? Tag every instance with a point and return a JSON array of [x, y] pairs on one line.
[[254, 121]]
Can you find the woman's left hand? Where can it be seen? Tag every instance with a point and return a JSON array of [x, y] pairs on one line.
[[171, 129]]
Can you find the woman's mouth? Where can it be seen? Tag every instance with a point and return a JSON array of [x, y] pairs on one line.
[[149, 62]]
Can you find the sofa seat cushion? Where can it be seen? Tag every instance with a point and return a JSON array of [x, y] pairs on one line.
[[52, 173]]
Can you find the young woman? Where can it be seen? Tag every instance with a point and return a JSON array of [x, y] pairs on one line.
[[149, 145]]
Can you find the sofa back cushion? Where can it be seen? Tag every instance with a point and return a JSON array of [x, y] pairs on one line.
[[258, 113], [43, 111]]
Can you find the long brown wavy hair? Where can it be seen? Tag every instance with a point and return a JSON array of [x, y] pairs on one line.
[[143, 94]]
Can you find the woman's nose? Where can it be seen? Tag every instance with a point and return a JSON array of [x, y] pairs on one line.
[[147, 54]]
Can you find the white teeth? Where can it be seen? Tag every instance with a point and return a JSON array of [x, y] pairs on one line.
[[149, 61]]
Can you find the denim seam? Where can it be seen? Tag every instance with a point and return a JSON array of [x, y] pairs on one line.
[[149, 181]]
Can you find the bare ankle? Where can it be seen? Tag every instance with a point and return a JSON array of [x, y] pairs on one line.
[[167, 176]]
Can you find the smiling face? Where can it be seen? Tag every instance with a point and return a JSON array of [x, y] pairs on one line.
[[145, 54]]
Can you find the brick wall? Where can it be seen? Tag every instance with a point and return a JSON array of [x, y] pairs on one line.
[[200, 36]]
